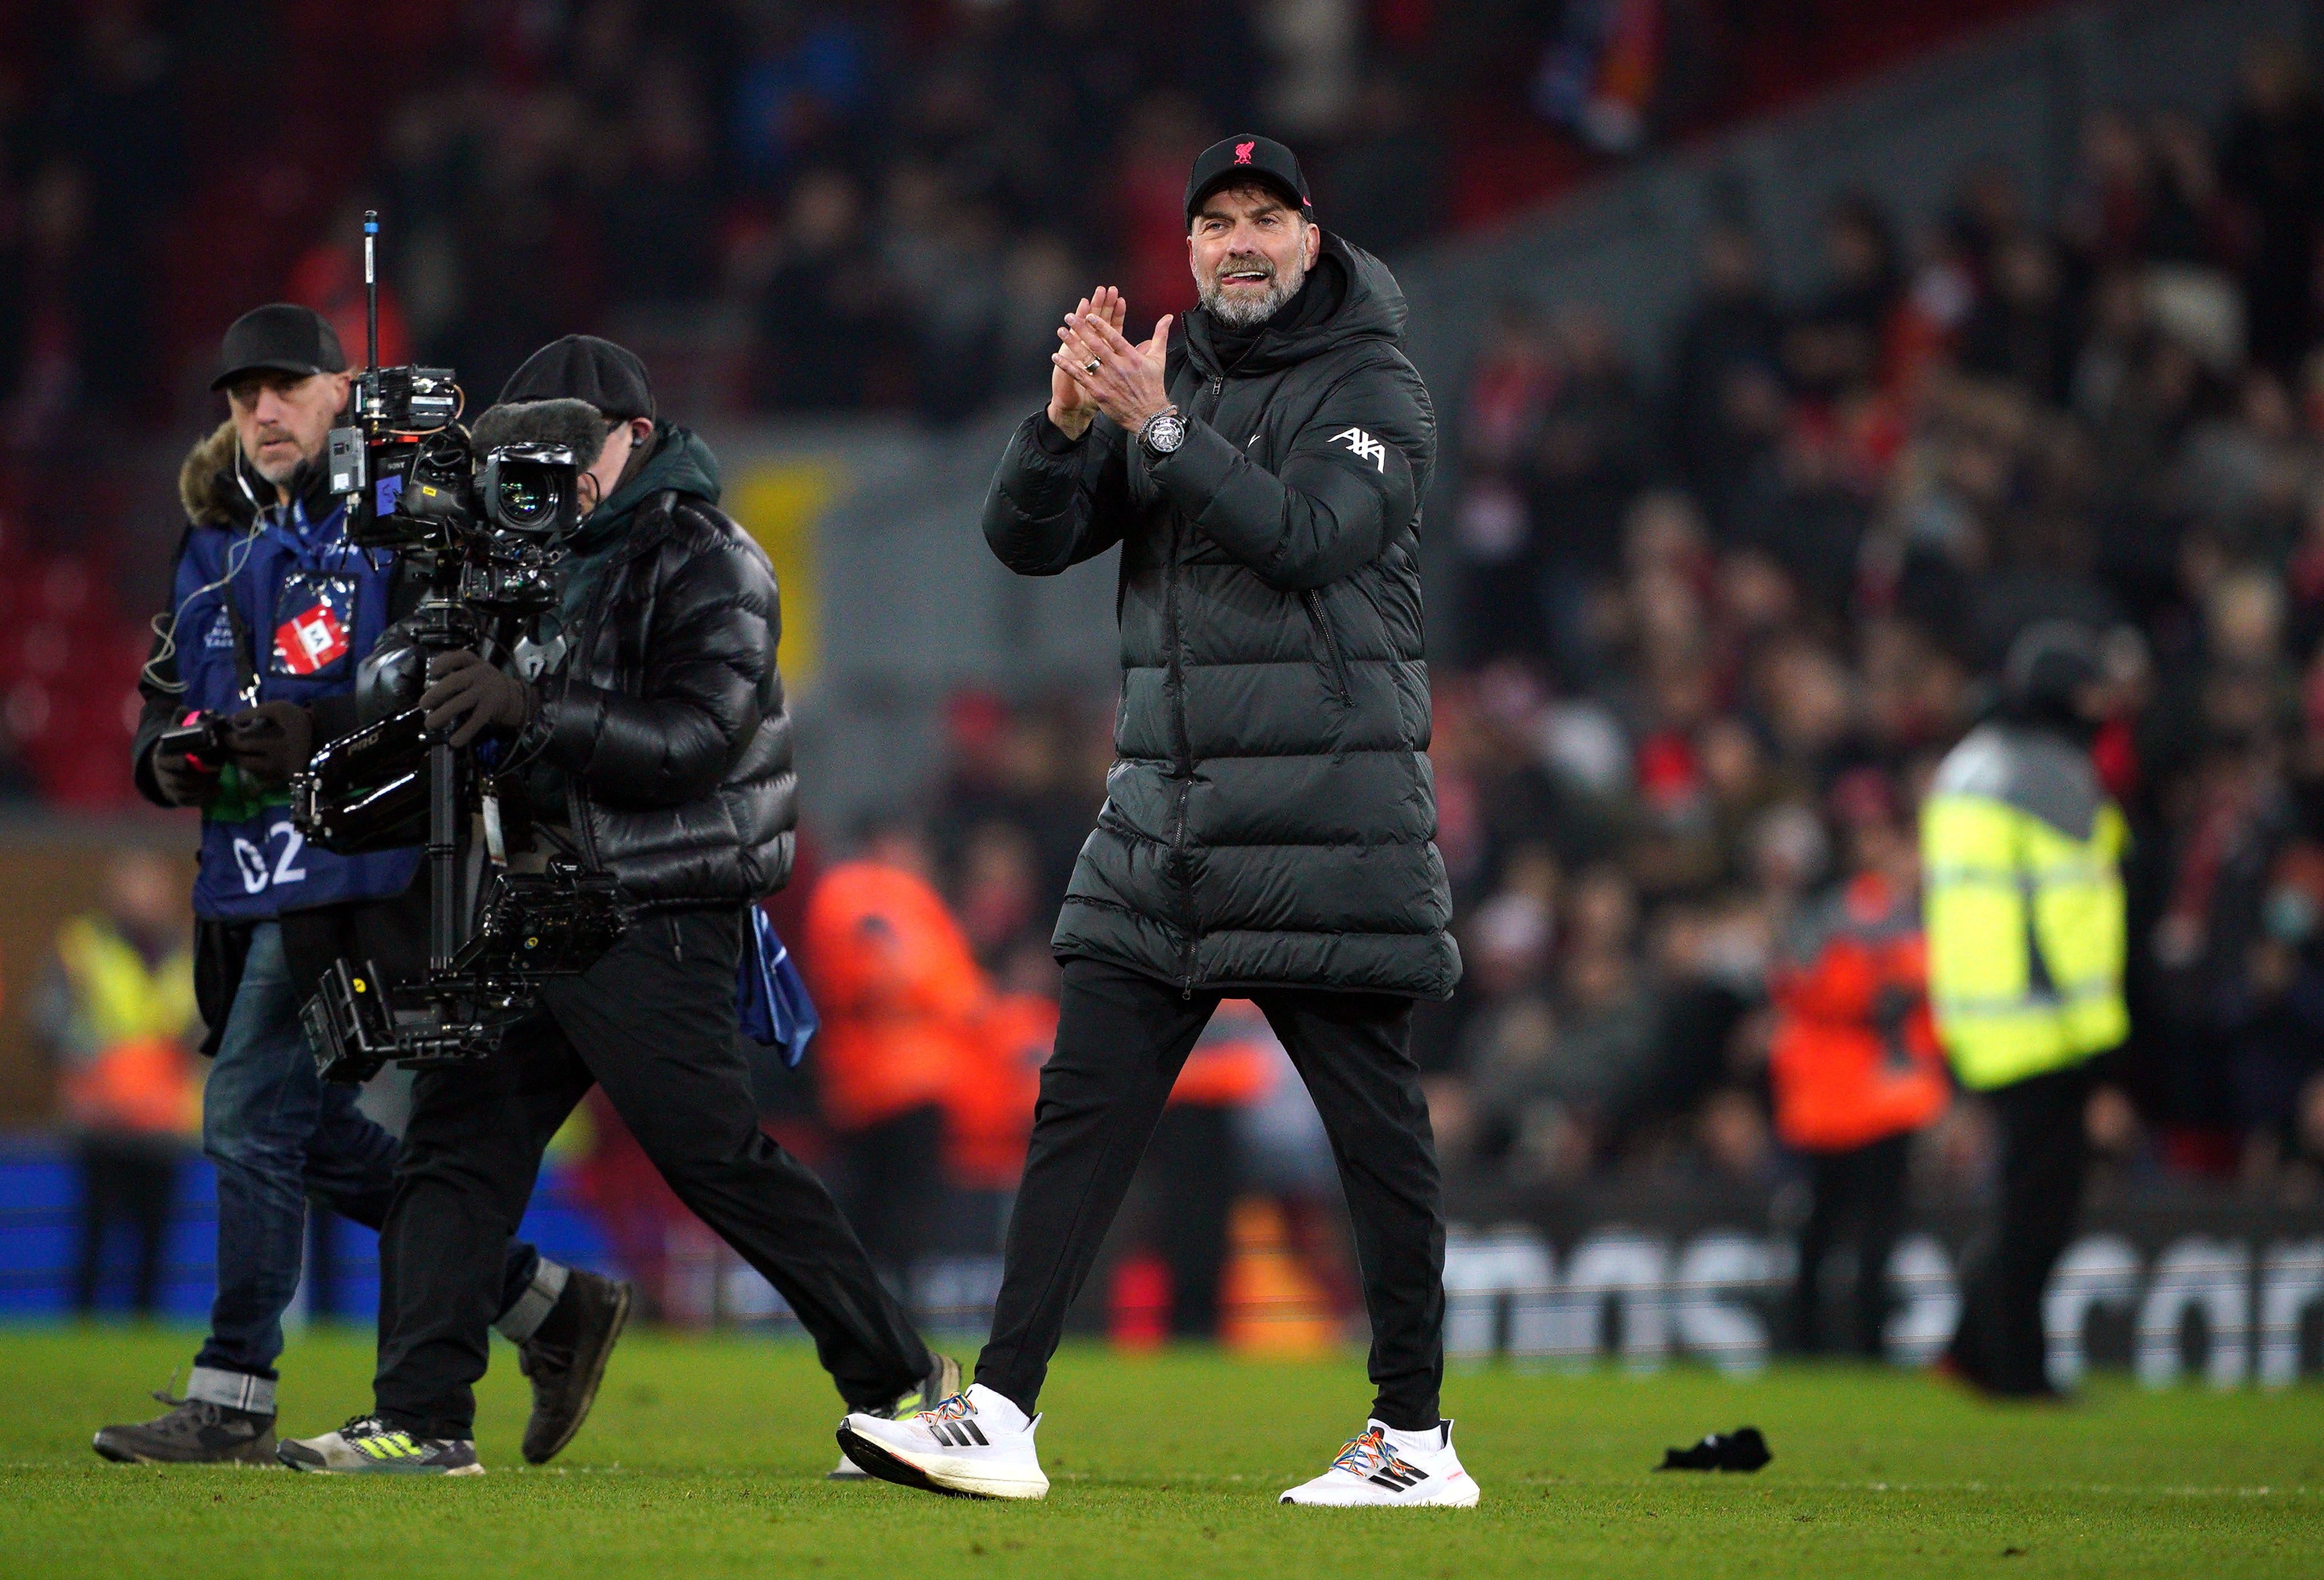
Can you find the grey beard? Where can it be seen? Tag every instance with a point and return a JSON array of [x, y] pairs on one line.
[[287, 471], [1246, 313]]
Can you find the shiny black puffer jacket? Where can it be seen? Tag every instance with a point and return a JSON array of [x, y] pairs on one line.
[[668, 716], [1271, 818]]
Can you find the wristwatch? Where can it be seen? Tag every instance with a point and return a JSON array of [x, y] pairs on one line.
[[1163, 432]]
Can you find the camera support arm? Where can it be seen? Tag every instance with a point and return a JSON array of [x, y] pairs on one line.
[[407, 471], [440, 624]]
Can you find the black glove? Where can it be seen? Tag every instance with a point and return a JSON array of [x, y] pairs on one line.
[[182, 783], [271, 741], [1742, 1449], [465, 685]]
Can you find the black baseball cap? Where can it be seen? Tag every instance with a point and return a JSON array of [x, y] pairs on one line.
[[582, 367], [280, 337], [2049, 664], [1246, 157]]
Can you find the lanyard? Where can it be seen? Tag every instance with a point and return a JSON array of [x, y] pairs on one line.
[[245, 670]]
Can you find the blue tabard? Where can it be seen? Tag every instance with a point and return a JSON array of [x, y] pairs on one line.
[[309, 608]]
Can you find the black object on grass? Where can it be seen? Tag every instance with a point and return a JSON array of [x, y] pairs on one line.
[[1741, 1449]]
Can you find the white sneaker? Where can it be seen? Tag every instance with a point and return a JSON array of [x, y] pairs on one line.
[[1383, 1467], [942, 1382], [974, 1445]]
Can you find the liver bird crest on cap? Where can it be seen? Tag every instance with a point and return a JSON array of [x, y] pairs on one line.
[[1243, 151]]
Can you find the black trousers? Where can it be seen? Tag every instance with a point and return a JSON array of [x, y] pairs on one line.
[[654, 1023], [1121, 1037], [2000, 1345], [895, 1186], [127, 1181], [1857, 1195]]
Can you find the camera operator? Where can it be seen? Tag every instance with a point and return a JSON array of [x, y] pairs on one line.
[[652, 739], [270, 613]]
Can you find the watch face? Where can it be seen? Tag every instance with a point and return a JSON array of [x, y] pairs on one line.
[[1165, 433]]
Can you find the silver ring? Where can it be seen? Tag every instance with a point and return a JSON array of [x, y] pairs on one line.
[[1091, 366]]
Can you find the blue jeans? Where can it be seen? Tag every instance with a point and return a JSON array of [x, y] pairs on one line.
[[280, 1134]]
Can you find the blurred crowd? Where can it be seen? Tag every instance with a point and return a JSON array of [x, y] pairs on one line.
[[790, 208], [856, 204], [1720, 619], [833, 207]]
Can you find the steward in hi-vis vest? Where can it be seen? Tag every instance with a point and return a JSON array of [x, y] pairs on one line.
[[2021, 853], [123, 1032], [115, 1009]]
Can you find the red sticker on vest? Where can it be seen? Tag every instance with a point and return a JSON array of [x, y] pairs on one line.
[[306, 642]]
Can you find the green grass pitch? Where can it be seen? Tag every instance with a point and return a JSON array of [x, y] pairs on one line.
[[705, 1458]]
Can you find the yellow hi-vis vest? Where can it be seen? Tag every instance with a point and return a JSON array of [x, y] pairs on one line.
[[126, 1068], [2021, 855]]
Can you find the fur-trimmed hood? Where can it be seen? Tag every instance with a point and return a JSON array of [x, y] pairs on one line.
[[206, 485], [212, 496]]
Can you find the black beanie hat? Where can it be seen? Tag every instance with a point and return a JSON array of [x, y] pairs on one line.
[[582, 367]]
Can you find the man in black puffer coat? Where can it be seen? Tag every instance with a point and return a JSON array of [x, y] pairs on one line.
[[647, 722], [1268, 826]]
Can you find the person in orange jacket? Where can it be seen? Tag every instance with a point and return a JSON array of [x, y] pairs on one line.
[[1193, 1162], [1855, 1060], [989, 1112], [902, 1000]]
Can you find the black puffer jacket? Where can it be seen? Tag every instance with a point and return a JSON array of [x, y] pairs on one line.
[[668, 717], [1271, 819]]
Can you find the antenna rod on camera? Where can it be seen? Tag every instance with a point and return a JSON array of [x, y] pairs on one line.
[[371, 289]]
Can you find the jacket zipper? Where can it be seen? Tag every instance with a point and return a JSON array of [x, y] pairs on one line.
[[632, 550], [575, 809], [1185, 756], [1330, 640], [1186, 763]]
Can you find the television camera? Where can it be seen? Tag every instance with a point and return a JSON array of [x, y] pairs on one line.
[[486, 532]]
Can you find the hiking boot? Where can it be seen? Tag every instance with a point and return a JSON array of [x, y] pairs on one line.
[[368, 1446], [194, 1432], [942, 1383], [565, 1359]]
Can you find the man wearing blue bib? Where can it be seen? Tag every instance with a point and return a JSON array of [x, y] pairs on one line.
[[271, 612]]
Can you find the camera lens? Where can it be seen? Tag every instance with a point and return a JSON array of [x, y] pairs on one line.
[[526, 497]]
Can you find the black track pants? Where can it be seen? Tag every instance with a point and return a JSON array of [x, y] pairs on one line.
[[654, 1024], [895, 1187], [1121, 1037], [125, 1181], [1857, 1195], [2000, 1344]]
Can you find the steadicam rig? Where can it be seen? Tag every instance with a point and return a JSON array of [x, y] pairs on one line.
[[486, 532]]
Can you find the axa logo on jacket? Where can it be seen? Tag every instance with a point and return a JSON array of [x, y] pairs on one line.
[[1365, 446]]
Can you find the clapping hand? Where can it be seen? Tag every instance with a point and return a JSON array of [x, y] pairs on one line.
[[1104, 371], [1071, 408]]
